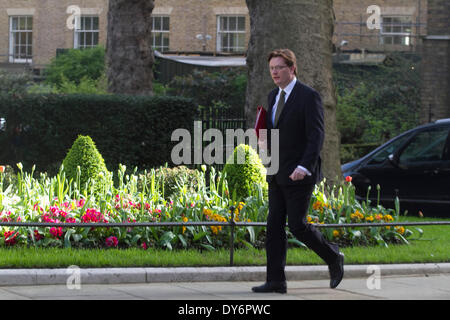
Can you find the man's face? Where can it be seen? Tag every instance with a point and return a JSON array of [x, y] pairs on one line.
[[280, 72]]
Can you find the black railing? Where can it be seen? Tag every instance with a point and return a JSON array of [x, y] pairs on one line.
[[232, 224]]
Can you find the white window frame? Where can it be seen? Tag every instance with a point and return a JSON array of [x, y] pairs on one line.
[[160, 46], [391, 34], [78, 30], [12, 43], [230, 47]]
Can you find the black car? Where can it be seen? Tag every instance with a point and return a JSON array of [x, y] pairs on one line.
[[415, 166]]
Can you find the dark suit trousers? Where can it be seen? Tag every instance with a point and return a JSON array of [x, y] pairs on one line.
[[292, 202]]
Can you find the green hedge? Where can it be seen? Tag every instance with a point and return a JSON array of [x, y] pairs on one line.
[[132, 130]]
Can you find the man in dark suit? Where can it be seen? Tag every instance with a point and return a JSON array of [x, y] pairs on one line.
[[296, 111]]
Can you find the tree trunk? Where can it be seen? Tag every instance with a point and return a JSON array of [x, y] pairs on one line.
[[305, 27], [129, 54]]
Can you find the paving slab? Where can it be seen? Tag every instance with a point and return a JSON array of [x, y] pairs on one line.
[[432, 287]]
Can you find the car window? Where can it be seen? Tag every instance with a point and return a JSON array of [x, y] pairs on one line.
[[383, 153], [426, 146]]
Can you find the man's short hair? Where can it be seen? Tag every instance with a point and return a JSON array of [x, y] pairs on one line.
[[288, 56]]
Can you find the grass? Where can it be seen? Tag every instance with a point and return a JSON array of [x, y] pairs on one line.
[[431, 248]]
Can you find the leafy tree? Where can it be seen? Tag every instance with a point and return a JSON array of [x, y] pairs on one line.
[[76, 65], [305, 27]]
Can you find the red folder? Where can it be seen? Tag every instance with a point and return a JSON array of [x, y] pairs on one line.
[[260, 120]]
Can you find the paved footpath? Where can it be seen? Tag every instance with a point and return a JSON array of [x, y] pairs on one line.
[[419, 287], [361, 282]]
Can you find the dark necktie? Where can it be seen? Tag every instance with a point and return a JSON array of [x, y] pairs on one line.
[[280, 106]]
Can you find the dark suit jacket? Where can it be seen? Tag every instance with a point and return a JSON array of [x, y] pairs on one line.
[[301, 134]]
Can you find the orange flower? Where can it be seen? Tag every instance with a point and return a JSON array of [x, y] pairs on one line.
[[2, 169], [318, 206], [348, 178]]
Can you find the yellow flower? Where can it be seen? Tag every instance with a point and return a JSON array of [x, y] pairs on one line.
[[400, 229], [217, 217], [388, 218], [308, 218], [357, 215], [185, 219], [336, 233], [369, 218]]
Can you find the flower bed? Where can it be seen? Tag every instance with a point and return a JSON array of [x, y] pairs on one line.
[[139, 198]]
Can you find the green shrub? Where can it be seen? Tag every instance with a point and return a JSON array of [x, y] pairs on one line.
[[242, 175], [84, 154], [131, 130], [12, 83], [177, 178], [76, 64]]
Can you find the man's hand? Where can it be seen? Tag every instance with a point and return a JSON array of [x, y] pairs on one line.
[[298, 174]]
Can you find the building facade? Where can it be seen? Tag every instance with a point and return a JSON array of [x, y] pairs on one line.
[[435, 90], [31, 31]]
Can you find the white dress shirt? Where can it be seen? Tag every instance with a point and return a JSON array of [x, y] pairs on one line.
[[287, 91]]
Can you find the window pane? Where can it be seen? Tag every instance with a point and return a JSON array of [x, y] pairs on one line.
[[15, 23], [166, 24], [95, 38], [225, 42], [426, 146], [223, 23], [88, 38], [22, 23], [82, 41], [29, 23], [382, 154], [158, 39], [241, 23], [30, 51], [30, 38], [232, 40], [241, 41], [158, 23], [232, 24], [95, 23], [165, 38]]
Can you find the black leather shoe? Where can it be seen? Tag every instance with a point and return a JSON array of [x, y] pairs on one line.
[[336, 271], [271, 286]]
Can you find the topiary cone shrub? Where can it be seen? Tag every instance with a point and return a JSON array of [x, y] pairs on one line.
[[244, 169], [85, 154]]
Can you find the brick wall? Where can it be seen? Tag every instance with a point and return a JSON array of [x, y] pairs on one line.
[[50, 30], [189, 18], [436, 63], [352, 16]]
